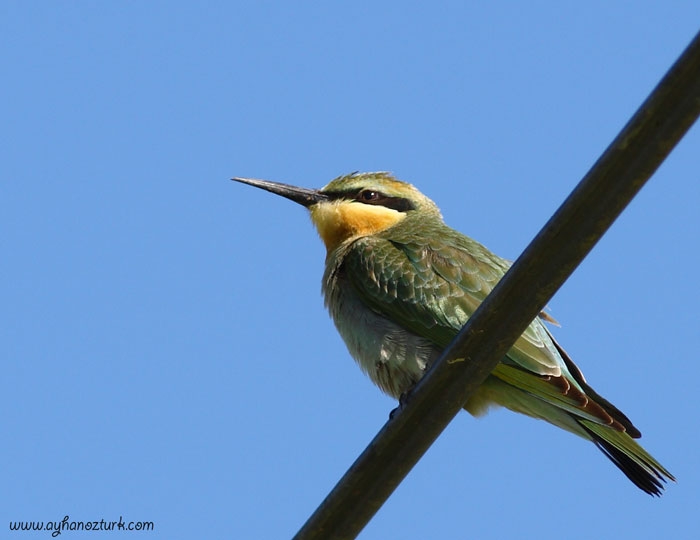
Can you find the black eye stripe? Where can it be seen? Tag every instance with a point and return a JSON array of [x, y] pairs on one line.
[[395, 203], [373, 197]]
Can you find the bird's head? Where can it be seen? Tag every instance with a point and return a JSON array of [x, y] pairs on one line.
[[355, 205]]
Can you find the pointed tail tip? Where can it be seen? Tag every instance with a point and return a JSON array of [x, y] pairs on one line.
[[647, 477], [636, 463]]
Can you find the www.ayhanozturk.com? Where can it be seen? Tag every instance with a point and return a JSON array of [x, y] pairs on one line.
[[66, 524]]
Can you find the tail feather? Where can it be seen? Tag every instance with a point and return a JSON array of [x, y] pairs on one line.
[[608, 428], [635, 462], [613, 411]]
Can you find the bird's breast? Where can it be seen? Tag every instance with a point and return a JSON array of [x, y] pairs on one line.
[[394, 358]]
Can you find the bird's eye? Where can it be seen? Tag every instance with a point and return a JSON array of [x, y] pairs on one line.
[[369, 195]]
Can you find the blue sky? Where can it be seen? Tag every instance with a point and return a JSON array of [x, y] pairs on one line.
[[166, 352]]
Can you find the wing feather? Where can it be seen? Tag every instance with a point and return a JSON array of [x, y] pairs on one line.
[[433, 290]]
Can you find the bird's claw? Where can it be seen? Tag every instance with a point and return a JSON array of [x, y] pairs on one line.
[[403, 400]]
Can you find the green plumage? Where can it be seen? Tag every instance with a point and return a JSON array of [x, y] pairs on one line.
[[400, 294]]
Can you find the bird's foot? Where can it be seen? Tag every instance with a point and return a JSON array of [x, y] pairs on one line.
[[403, 399]]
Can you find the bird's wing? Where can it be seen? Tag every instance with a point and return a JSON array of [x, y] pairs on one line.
[[432, 289]]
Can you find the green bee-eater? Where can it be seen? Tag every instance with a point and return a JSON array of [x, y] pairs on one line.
[[399, 285]]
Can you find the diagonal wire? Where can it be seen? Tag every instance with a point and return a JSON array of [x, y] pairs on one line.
[[536, 275]]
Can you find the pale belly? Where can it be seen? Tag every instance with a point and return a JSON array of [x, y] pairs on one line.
[[394, 358]]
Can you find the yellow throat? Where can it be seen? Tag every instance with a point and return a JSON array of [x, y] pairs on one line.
[[338, 221]]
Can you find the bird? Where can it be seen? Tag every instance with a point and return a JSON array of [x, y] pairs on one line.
[[399, 285]]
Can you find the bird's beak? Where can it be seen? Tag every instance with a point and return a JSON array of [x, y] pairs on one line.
[[303, 196]]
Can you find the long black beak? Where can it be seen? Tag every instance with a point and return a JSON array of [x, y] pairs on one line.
[[303, 196]]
